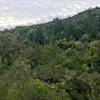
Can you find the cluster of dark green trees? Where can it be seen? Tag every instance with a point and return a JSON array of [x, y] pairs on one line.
[[58, 60]]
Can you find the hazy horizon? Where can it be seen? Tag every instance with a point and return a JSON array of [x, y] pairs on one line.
[[26, 12]]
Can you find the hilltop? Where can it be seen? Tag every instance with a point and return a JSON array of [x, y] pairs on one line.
[[58, 60]]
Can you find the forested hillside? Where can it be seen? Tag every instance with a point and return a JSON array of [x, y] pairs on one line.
[[58, 60]]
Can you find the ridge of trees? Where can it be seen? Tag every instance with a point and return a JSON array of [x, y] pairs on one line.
[[58, 60]]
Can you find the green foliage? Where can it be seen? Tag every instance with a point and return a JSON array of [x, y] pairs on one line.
[[58, 60], [50, 73]]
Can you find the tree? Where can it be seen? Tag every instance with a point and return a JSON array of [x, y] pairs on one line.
[[50, 73]]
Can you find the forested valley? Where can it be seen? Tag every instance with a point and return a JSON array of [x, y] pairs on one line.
[[57, 60]]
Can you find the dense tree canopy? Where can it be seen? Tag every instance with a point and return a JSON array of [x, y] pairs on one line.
[[58, 60]]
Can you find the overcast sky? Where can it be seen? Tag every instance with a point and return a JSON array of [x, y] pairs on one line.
[[23, 12]]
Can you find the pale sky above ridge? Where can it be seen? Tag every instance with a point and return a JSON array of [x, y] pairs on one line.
[[24, 12]]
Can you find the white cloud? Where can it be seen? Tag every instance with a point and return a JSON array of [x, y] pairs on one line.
[[13, 21]]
